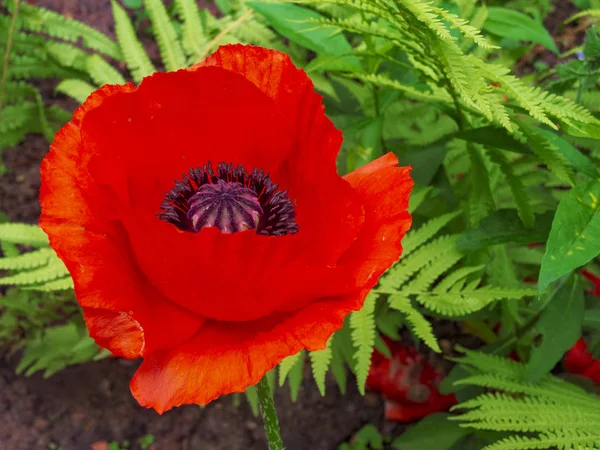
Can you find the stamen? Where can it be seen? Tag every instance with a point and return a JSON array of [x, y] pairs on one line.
[[231, 199]]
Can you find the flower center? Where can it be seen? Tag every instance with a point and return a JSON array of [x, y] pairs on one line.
[[230, 199]]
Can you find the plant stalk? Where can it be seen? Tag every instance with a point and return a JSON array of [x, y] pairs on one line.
[[7, 49], [269, 414]]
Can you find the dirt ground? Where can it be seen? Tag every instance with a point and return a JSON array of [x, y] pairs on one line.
[[89, 406]]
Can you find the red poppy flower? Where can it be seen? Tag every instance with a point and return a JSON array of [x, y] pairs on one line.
[[259, 250], [409, 384]]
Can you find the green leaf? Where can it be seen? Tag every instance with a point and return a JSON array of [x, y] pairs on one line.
[[363, 336], [77, 89], [320, 361], [166, 37], [21, 233], [577, 159], [193, 33], [481, 203], [287, 21], [337, 363], [559, 327], [491, 136], [135, 56], [102, 72], [433, 432], [252, 397], [575, 236], [591, 319], [420, 326], [287, 364], [502, 227], [518, 26]]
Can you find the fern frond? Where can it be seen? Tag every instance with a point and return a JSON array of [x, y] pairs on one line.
[[67, 55], [587, 12], [423, 281], [407, 267], [482, 204], [77, 89], [21, 233], [415, 238], [29, 260], [166, 37], [52, 271], [362, 324], [62, 284], [193, 33], [458, 303], [320, 361], [573, 441], [287, 364], [502, 412], [419, 325], [102, 72], [564, 415], [41, 20], [519, 192], [135, 56]]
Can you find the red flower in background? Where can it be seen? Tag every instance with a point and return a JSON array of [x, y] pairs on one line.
[[579, 361], [409, 383], [259, 250]]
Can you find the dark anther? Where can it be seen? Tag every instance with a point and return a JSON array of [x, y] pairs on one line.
[[231, 199]]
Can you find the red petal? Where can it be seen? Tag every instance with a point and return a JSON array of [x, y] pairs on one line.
[[577, 358], [385, 190], [95, 249], [243, 125], [119, 332], [327, 209], [222, 358]]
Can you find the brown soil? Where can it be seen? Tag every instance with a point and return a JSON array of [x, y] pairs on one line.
[[85, 407]]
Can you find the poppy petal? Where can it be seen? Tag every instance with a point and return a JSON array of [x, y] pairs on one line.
[[118, 332], [327, 209], [82, 235], [222, 358], [385, 189]]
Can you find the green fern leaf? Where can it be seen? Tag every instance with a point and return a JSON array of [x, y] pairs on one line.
[[419, 325], [320, 361], [287, 364], [519, 192], [102, 72], [415, 238], [252, 397], [135, 56], [548, 153], [55, 269], [41, 20], [193, 36], [362, 324], [482, 204], [458, 303], [400, 273], [77, 89], [29, 260], [62, 284], [20, 233], [166, 37]]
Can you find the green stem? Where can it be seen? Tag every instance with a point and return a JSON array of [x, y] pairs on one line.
[[269, 414], [9, 41]]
